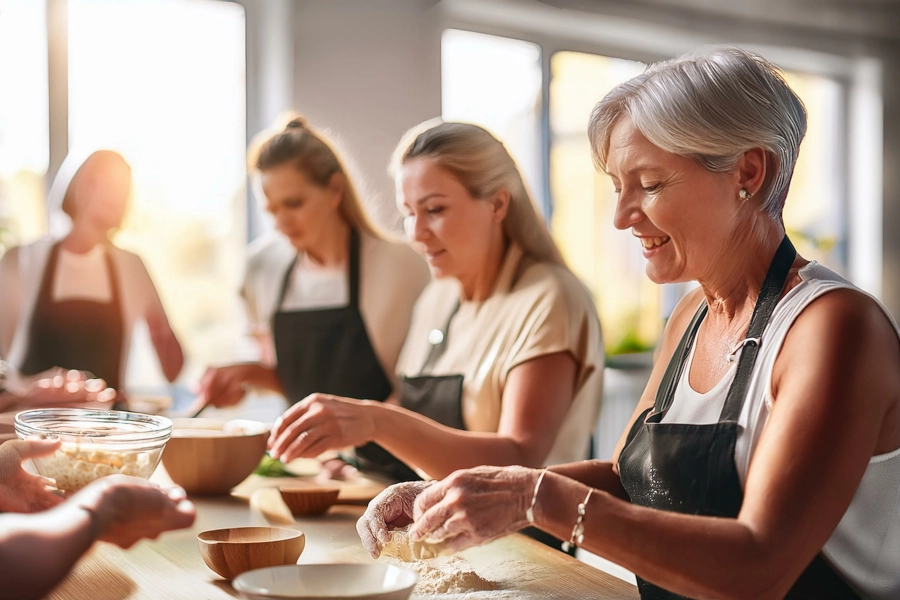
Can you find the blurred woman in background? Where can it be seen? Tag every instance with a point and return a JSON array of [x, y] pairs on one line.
[[333, 305], [73, 302]]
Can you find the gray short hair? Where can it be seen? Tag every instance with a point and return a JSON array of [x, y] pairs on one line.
[[711, 107]]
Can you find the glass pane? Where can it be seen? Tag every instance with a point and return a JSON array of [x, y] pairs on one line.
[[608, 260], [163, 82], [814, 214], [495, 82], [24, 137]]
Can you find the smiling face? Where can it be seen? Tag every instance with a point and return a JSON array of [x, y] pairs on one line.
[[453, 229], [304, 212], [682, 213]]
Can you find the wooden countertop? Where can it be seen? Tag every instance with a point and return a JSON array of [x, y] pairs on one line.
[[171, 567]]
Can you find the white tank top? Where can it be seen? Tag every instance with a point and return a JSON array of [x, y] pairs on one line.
[[865, 547]]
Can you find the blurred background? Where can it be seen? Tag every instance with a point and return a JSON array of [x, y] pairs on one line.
[[179, 87]]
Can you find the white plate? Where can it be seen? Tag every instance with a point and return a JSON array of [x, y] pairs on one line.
[[328, 582]]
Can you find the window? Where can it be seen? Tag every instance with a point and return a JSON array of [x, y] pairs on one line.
[[495, 82], [24, 135], [176, 111], [584, 202]]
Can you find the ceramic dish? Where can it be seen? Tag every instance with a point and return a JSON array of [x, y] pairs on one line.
[[328, 582]]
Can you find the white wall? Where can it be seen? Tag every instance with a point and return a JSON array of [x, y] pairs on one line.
[[369, 70]]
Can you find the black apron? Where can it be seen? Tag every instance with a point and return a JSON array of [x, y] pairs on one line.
[[690, 469], [328, 350], [76, 334], [437, 397]]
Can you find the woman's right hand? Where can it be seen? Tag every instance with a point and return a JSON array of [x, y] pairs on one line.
[[391, 509], [224, 386], [126, 510]]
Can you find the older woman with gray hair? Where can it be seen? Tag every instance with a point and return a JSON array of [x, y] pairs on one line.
[[763, 459]]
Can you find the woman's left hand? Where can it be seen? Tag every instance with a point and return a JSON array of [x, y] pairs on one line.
[[474, 506], [20, 491], [320, 423]]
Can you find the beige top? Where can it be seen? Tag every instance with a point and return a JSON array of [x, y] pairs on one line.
[[391, 277], [536, 309], [21, 273]]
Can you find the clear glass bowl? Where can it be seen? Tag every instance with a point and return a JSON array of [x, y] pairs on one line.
[[95, 443]]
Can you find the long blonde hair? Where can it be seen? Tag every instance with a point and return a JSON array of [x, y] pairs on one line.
[[481, 163], [311, 153]]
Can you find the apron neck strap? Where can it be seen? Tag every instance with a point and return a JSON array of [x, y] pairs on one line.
[[769, 294], [768, 298], [354, 267]]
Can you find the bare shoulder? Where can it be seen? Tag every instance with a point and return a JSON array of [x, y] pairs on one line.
[[845, 316], [842, 346]]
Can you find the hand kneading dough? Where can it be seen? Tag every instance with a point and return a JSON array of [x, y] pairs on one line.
[[401, 547]]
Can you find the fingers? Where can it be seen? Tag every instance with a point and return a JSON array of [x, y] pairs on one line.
[[289, 416], [433, 524], [313, 446], [428, 498], [286, 428], [33, 447], [368, 535]]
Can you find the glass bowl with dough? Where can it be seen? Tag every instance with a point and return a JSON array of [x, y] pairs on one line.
[[95, 443]]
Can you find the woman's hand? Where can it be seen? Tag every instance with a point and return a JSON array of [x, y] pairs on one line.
[[320, 423], [474, 506], [224, 386], [60, 387], [21, 491], [391, 509], [127, 509]]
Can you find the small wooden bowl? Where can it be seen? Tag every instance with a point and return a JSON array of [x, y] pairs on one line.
[[230, 552], [308, 501], [206, 458]]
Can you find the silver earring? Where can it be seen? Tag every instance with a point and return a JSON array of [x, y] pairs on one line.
[[745, 195]]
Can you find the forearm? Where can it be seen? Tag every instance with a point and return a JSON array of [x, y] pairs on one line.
[[171, 356], [597, 474], [263, 376], [695, 556], [439, 450], [38, 551]]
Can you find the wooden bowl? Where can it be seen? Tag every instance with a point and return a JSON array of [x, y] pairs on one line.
[[307, 501], [208, 457], [230, 552]]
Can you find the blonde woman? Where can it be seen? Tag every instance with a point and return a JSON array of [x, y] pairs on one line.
[[503, 360], [330, 297]]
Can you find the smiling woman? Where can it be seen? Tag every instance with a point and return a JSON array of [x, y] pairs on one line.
[[763, 459]]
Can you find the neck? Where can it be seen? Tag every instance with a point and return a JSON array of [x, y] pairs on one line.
[[480, 285], [82, 240], [333, 247], [734, 279]]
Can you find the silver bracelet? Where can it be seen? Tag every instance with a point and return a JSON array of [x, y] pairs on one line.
[[578, 529], [529, 514]]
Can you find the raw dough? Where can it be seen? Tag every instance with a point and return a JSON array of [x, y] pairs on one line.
[[406, 550]]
